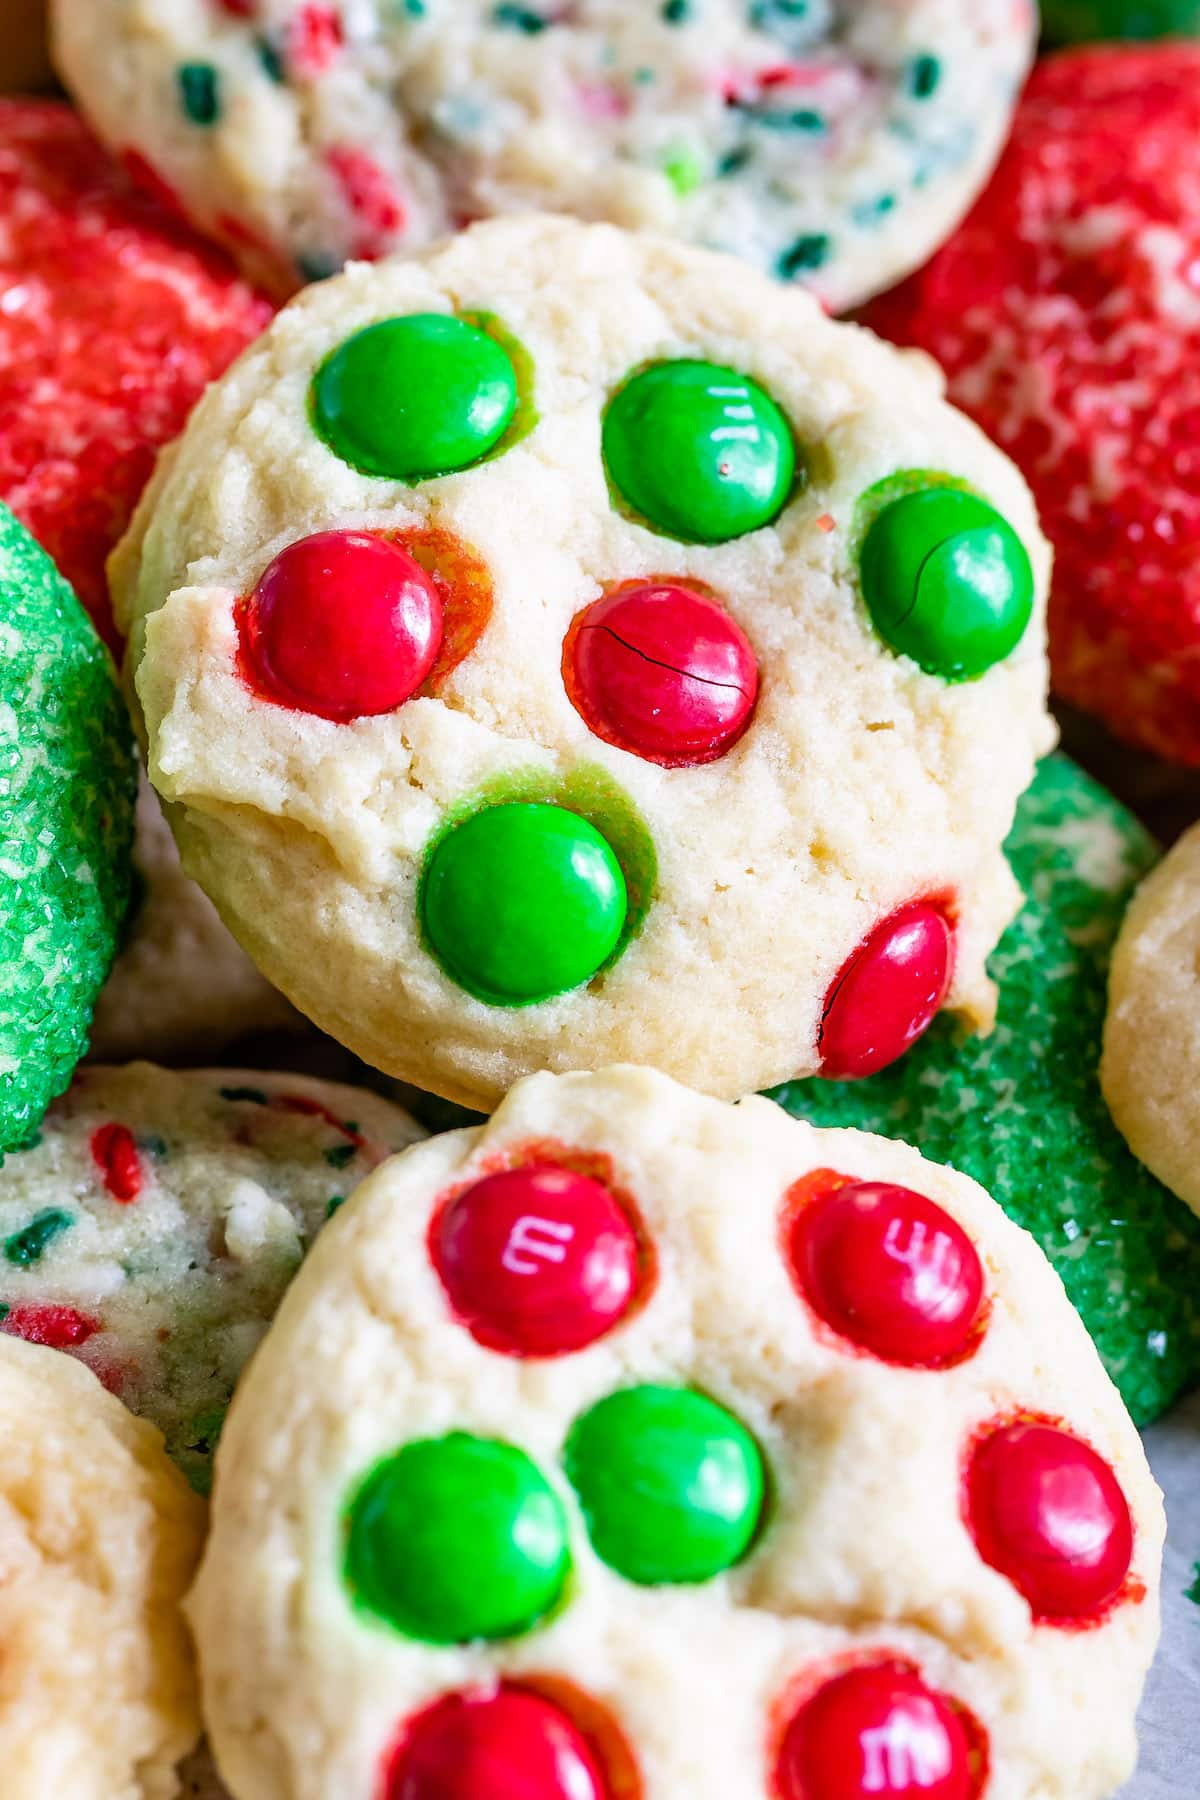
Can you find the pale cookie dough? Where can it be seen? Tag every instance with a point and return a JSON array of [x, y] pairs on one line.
[[180, 989], [1150, 1072], [862, 786], [836, 143], [152, 1228], [324, 1640], [99, 1537]]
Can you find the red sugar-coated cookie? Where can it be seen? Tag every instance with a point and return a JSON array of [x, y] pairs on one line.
[[1066, 312], [114, 317]]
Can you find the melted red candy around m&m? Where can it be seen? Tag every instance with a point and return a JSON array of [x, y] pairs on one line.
[[887, 993], [342, 624], [890, 1271], [115, 1154], [1047, 1511], [536, 1261], [662, 671], [878, 1732], [501, 1744]]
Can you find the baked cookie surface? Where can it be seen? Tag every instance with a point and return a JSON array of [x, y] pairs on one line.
[[628, 1371], [153, 1228], [662, 689], [1151, 1067], [66, 824], [99, 1536], [833, 143]]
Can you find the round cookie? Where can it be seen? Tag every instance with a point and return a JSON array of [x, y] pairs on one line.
[[99, 1537], [681, 716], [154, 1226], [1084, 21], [68, 786], [1022, 1111], [180, 989], [114, 316], [1150, 1071], [828, 143], [1062, 312], [544, 1408]]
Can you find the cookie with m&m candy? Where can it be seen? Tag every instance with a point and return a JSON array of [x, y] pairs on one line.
[[569, 646], [99, 1537], [636, 1445], [1022, 1109], [829, 144], [153, 1226], [66, 824]]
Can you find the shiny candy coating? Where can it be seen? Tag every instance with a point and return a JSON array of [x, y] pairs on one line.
[[1048, 1512], [504, 1743], [879, 1732], [522, 901], [890, 1271], [456, 1538], [414, 397], [672, 1486], [536, 1261], [947, 581], [342, 624], [663, 671], [699, 451], [887, 993]]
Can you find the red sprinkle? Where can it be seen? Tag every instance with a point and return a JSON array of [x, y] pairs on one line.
[[114, 317], [371, 197], [315, 1109], [58, 1327], [315, 39], [116, 1156]]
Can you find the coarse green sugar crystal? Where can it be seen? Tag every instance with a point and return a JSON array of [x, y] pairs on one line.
[[1022, 1110], [67, 783]]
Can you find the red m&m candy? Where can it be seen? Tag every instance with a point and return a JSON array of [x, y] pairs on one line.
[[889, 1270], [1047, 1511], [878, 1732], [536, 1261], [342, 624], [505, 1742], [887, 993], [662, 671]]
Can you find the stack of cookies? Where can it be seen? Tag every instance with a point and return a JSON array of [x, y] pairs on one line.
[[563, 1233]]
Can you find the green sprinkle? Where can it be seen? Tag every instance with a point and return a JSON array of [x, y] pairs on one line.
[[677, 12], [775, 118], [809, 252], [337, 1201], [683, 171], [519, 18], [253, 1094], [5, 1309], [30, 1243], [734, 161], [200, 92], [924, 74], [271, 59], [340, 1155], [316, 265], [1191, 1592]]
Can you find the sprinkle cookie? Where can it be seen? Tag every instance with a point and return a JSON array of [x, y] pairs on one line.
[[544, 1407], [831, 143], [1151, 1066], [113, 318], [98, 1539], [153, 1228], [1065, 314], [180, 989], [1022, 1109], [571, 645], [66, 821]]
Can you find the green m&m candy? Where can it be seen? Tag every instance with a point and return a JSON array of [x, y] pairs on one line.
[[455, 1539], [701, 452], [947, 581], [523, 901], [671, 1485], [414, 397]]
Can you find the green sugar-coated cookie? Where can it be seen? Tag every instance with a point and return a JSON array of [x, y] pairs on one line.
[[1022, 1111], [66, 825]]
